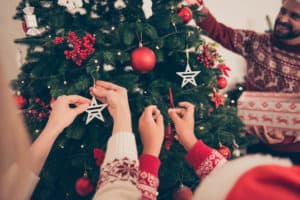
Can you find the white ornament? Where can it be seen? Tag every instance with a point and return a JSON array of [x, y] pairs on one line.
[[30, 20], [188, 76], [95, 111], [119, 4], [73, 6], [236, 153]]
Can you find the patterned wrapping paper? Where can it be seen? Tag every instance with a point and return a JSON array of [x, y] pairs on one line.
[[276, 111]]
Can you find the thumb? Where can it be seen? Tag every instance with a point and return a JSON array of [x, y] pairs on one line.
[[173, 115], [81, 108]]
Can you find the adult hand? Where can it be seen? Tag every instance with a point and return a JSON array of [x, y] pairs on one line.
[[116, 99], [266, 136], [184, 122], [62, 115], [194, 2], [151, 129]]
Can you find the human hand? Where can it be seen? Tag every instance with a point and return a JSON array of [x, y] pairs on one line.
[[184, 122], [117, 103], [62, 115], [151, 129], [266, 136], [194, 2]]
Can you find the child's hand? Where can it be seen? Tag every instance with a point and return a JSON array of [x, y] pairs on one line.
[[62, 115], [194, 2], [116, 98], [151, 128], [183, 119]]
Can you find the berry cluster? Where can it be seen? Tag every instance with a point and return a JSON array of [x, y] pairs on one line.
[[81, 49], [208, 56]]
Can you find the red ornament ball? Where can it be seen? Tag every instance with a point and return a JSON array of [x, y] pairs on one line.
[[186, 14], [221, 82], [84, 186], [143, 59], [183, 193], [21, 101], [225, 151]]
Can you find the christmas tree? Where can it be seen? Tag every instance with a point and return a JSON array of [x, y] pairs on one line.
[[161, 60]]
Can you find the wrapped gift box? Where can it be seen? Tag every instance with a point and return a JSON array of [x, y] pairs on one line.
[[276, 111]]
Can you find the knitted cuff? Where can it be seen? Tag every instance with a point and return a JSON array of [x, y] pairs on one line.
[[207, 21], [197, 154], [121, 145], [150, 164]]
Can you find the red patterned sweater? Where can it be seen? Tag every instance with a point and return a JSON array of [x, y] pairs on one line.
[[271, 65]]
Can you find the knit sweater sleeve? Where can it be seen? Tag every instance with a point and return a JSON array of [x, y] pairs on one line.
[[148, 176], [236, 40], [119, 171], [204, 159]]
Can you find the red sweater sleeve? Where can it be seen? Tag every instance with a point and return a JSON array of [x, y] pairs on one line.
[[236, 40], [204, 159], [148, 176]]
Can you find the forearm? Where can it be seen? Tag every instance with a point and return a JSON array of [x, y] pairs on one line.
[[41, 147], [215, 30]]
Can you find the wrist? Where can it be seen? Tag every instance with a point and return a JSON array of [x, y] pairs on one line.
[[190, 143], [151, 151]]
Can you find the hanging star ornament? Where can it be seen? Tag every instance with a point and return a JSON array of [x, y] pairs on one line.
[[95, 111], [188, 76]]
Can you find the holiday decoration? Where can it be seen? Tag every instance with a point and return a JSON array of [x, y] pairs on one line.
[[81, 48], [217, 99], [186, 14], [30, 21], [73, 6], [95, 111], [21, 101], [224, 69], [183, 193], [84, 186], [236, 153], [276, 111], [169, 137], [188, 75], [99, 156], [225, 151], [207, 56], [143, 59], [221, 82]]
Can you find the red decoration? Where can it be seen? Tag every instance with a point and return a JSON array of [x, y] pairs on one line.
[[84, 186], [186, 14], [224, 69], [217, 99], [208, 56], [183, 193], [168, 137], [143, 59], [99, 155], [21, 101], [58, 40], [225, 151], [171, 98], [221, 82], [81, 48], [24, 26]]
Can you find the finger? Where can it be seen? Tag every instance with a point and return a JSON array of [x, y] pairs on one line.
[[149, 111], [174, 115], [159, 120], [189, 107], [101, 93], [108, 85], [80, 109], [76, 99]]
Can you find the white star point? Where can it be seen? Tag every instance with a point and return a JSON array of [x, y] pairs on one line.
[[95, 111]]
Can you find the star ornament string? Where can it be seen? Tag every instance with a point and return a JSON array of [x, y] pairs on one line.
[[95, 111], [188, 75]]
